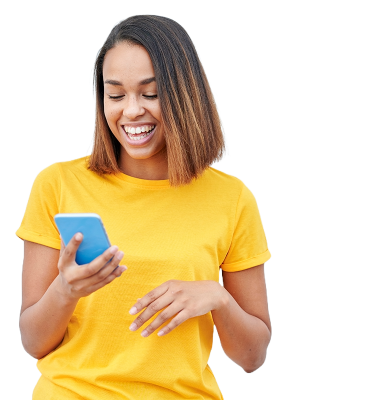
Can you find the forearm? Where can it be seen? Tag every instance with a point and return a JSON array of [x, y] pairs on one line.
[[243, 337], [43, 324]]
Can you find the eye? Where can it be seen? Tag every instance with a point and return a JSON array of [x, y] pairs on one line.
[[115, 97], [150, 97]]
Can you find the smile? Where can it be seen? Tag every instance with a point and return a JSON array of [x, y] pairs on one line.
[[138, 132]]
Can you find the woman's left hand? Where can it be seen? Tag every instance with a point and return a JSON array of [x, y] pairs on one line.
[[182, 299]]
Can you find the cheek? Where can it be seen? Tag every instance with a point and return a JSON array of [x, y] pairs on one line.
[[112, 113], [110, 122], [156, 112]]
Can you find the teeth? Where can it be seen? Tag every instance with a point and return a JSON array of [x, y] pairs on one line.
[[138, 137], [141, 129]]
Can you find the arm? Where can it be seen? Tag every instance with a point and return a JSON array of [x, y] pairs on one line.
[[45, 313], [242, 319], [51, 288]]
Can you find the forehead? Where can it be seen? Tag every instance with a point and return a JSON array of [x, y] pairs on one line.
[[127, 61]]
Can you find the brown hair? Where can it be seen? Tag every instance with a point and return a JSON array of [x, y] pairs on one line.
[[191, 123]]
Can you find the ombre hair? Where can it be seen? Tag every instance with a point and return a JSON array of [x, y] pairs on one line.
[[191, 124]]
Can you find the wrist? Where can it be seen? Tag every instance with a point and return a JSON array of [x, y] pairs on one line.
[[64, 297], [222, 299]]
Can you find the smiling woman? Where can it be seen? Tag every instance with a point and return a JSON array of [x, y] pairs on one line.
[[159, 59], [133, 111], [178, 220]]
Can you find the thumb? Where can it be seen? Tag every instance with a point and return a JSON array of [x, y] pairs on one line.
[[69, 251]]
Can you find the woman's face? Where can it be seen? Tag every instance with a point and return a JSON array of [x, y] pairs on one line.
[[132, 109]]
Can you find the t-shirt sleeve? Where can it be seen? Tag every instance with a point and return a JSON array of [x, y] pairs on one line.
[[248, 245], [38, 224]]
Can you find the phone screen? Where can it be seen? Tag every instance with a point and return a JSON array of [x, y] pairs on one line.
[[95, 240]]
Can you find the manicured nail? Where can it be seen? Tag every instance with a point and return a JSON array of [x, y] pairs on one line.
[[144, 333], [113, 249], [121, 270], [133, 311], [119, 255], [133, 327], [161, 333], [78, 236]]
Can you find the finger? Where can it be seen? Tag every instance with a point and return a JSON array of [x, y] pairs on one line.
[[83, 272], [70, 250], [163, 317], [97, 270], [112, 263], [112, 267], [151, 310], [174, 323], [149, 298], [115, 274]]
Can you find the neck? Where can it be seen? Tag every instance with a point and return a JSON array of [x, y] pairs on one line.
[[153, 168]]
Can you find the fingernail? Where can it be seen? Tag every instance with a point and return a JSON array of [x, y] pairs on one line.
[[161, 333], [144, 333], [133, 311], [119, 255], [121, 270], [78, 236], [133, 327], [113, 249]]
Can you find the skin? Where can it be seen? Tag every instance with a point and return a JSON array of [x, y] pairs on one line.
[[132, 104], [53, 283]]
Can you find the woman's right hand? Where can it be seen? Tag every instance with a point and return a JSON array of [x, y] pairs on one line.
[[78, 281]]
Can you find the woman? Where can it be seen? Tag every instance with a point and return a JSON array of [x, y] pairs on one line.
[[177, 221]]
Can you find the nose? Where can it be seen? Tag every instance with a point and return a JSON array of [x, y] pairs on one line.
[[133, 108]]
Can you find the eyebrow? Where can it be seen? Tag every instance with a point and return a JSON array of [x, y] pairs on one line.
[[141, 83]]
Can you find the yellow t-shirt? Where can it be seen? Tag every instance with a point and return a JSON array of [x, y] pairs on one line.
[[184, 233]]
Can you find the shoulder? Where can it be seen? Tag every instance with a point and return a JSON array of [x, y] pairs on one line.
[[230, 192], [59, 169], [225, 183], [77, 166]]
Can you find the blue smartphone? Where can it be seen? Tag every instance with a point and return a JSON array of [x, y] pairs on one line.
[[95, 240]]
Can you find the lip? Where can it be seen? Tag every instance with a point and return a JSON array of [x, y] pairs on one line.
[[135, 124], [142, 141]]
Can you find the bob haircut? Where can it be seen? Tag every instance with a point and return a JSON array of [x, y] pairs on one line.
[[191, 124]]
